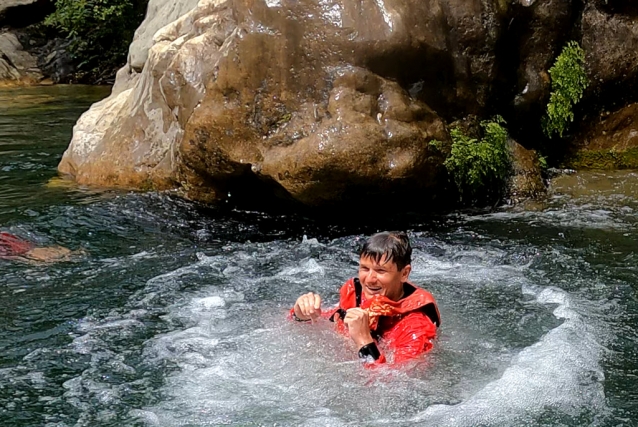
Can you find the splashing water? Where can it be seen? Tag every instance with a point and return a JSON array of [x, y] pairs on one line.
[[177, 315]]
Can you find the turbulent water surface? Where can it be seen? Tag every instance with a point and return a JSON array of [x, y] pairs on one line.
[[175, 314]]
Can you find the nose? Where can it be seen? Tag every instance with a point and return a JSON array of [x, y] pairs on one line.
[[371, 276]]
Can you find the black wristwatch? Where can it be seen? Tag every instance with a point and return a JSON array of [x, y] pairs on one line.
[[369, 351]]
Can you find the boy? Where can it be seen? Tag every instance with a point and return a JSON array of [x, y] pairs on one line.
[[380, 305]]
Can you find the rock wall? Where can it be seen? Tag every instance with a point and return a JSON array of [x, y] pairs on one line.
[[237, 92], [333, 101]]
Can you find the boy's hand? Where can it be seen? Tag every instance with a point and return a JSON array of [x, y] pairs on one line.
[[308, 306], [358, 324]]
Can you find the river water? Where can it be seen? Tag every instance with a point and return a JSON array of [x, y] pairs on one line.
[[175, 315]]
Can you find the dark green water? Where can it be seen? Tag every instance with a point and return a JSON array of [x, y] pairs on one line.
[[176, 314]]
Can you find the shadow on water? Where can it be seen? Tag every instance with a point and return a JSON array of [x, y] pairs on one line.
[[176, 314]]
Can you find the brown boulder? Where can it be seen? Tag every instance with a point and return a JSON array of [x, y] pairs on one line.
[[369, 137], [526, 181], [308, 100]]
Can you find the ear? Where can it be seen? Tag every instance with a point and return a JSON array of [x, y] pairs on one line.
[[405, 273]]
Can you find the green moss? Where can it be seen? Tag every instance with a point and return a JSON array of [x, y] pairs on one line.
[[569, 81], [147, 185], [604, 159], [437, 146], [480, 166]]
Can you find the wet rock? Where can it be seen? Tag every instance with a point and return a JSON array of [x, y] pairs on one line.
[[233, 92], [610, 41], [453, 43], [16, 65], [372, 137], [610, 141], [526, 181], [539, 31]]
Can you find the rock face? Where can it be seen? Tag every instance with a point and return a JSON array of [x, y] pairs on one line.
[[324, 102], [16, 65], [282, 96], [611, 44], [537, 33], [159, 14]]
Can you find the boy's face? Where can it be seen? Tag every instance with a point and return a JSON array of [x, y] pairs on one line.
[[382, 278]]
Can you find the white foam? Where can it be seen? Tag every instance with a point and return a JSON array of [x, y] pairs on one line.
[[560, 372], [306, 267], [209, 302], [240, 361]]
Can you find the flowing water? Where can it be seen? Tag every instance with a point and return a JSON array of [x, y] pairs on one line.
[[175, 314]]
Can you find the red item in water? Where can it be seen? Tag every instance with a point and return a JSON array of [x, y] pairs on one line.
[[12, 246]]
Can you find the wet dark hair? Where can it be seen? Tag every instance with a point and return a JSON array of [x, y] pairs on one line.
[[395, 245]]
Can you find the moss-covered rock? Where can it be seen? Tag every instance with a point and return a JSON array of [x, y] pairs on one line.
[[604, 159], [610, 141]]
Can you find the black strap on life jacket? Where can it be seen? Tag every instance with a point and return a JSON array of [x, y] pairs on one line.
[[357, 296], [429, 309]]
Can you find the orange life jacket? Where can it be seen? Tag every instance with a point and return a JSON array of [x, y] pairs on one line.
[[415, 299]]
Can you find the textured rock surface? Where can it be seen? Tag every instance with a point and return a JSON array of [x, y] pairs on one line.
[[159, 14], [16, 65], [526, 181], [234, 91], [608, 142], [325, 101], [610, 42]]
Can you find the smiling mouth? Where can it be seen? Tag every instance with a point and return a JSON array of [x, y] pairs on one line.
[[374, 290]]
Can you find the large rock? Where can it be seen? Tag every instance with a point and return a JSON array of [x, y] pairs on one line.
[[16, 65], [307, 99]]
